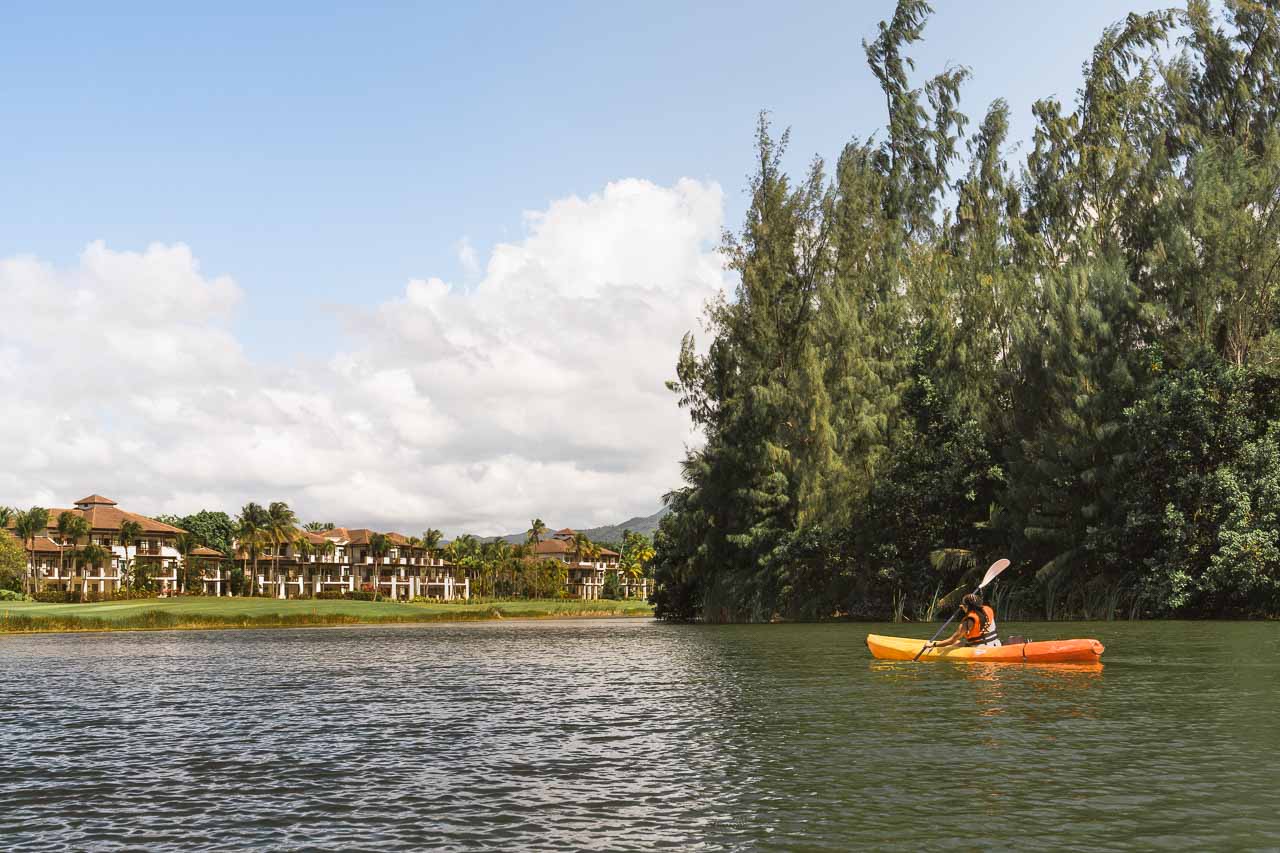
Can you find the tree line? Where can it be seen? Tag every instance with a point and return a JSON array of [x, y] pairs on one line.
[[937, 354]]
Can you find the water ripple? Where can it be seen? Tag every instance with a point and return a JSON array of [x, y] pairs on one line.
[[631, 735]]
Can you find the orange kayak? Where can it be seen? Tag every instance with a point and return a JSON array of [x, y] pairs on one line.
[[1050, 651]]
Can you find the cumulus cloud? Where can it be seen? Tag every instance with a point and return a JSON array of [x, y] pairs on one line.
[[535, 390]]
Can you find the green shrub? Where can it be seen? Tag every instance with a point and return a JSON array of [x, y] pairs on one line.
[[56, 596], [120, 595], [331, 596], [13, 595]]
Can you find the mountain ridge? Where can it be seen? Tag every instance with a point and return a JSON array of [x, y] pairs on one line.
[[645, 524]]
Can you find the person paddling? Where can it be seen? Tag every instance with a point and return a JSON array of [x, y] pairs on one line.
[[977, 628]]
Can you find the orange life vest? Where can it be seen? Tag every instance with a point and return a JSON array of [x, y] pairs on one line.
[[977, 635]]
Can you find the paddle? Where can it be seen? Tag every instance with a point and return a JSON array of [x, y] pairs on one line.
[[996, 568]]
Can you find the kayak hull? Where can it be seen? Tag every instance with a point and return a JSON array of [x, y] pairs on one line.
[[1050, 651]]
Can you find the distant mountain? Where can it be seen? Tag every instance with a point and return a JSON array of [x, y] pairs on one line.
[[613, 533], [609, 533]]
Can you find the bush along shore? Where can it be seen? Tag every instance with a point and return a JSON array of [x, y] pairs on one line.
[[213, 613], [950, 346]]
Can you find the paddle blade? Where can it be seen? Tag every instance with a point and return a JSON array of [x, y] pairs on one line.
[[996, 568]]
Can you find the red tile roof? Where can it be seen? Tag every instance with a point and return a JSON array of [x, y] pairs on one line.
[[45, 545], [95, 500], [106, 518]]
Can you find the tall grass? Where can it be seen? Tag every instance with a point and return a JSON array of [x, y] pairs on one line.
[[154, 619], [159, 620]]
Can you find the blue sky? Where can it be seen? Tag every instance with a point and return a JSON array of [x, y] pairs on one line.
[[322, 158], [317, 152]]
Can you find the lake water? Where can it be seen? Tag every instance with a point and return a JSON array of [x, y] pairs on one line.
[[630, 734]]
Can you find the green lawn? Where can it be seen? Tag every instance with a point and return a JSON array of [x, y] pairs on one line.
[[267, 612]]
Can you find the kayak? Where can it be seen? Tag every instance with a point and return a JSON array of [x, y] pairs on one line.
[[1049, 651]]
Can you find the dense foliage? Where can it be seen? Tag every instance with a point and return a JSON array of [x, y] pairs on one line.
[[936, 356], [13, 562], [211, 528]]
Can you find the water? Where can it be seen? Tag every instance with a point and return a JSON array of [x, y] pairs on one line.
[[630, 734]]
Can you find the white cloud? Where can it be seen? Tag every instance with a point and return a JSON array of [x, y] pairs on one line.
[[536, 390], [468, 258]]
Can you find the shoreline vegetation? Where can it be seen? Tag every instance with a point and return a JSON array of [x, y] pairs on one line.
[[947, 346], [208, 613]]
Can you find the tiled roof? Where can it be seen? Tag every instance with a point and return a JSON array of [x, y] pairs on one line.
[[104, 518], [45, 545], [206, 552], [363, 536], [552, 546], [95, 499], [337, 534], [359, 536]]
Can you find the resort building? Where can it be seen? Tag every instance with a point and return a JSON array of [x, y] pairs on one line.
[[348, 560], [307, 563], [54, 564], [588, 569]]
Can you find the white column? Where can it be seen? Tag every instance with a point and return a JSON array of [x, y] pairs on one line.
[[466, 589]]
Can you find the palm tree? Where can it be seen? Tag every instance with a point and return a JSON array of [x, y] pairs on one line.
[[282, 527], [251, 527], [637, 552], [94, 557], [187, 542], [303, 549], [80, 529], [28, 525], [378, 547], [431, 541], [66, 521], [131, 531], [502, 556], [581, 545], [7, 514], [536, 530], [317, 526], [324, 549]]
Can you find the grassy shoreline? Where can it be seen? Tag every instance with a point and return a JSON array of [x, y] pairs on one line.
[[219, 613]]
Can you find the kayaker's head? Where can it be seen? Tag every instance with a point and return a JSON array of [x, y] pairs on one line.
[[972, 602]]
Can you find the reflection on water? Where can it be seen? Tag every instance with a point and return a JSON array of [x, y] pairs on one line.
[[633, 735]]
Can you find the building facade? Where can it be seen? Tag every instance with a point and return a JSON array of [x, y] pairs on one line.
[[347, 560], [55, 564], [587, 570], [337, 560]]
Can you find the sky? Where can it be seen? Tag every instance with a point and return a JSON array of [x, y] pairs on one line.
[[409, 265]]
